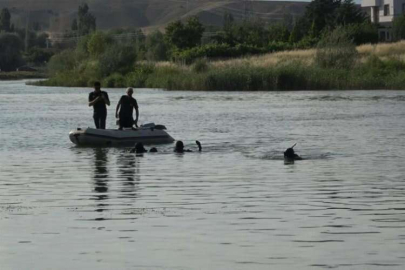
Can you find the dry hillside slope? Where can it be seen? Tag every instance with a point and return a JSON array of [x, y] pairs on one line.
[[57, 15]]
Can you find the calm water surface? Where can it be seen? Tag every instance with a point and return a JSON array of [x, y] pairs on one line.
[[236, 205]]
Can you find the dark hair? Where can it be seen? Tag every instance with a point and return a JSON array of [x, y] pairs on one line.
[[179, 145], [97, 84]]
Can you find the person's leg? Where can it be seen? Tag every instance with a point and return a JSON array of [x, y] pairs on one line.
[[96, 120], [126, 122], [102, 121]]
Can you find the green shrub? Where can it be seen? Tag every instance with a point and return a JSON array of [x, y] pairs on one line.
[[138, 77], [336, 50], [117, 58], [62, 62], [200, 65], [115, 80]]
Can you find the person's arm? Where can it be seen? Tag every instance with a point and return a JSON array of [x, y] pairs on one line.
[[117, 109], [137, 116], [106, 99], [137, 113], [94, 101]]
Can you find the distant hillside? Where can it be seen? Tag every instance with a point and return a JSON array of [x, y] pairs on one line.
[[57, 15]]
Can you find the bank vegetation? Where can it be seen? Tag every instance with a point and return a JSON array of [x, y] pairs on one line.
[[333, 46]]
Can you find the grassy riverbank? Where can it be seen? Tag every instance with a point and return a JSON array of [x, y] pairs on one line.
[[379, 66], [20, 75]]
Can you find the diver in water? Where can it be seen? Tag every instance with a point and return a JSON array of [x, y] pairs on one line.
[[290, 154], [179, 148], [140, 149]]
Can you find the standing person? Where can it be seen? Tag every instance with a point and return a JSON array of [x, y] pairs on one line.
[[99, 99], [125, 110]]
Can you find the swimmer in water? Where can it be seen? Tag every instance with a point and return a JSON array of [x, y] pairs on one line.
[[290, 154], [140, 149], [179, 148]]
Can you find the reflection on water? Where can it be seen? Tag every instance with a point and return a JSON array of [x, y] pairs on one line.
[[235, 205], [128, 173], [101, 177], [124, 173]]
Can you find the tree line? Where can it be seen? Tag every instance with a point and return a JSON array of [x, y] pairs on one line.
[[185, 41], [20, 46]]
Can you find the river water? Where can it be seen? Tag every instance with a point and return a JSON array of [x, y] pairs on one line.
[[236, 205]]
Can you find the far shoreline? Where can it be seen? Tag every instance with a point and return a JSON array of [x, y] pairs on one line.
[[22, 75], [372, 67]]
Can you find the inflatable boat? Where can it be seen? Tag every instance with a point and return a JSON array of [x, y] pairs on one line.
[[146, 134]]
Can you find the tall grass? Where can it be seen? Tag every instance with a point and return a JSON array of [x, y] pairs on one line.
[[365, 67]]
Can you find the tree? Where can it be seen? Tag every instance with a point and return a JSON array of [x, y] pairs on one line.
[[87, 22], [74, 26], [38, 56], [228, 21], [329, 14], [10, 51], [194, 31], [118, 58], [5, 20], [156, 47], [297, 32], [278, 32], [349, 13], [398, 28], [320, 14], [184, 36], [98, 43], [336, 50]]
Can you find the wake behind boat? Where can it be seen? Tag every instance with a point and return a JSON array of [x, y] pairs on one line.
[[146, 134]]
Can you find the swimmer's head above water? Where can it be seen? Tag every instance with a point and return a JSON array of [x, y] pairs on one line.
[[290, 154], [179, 148]]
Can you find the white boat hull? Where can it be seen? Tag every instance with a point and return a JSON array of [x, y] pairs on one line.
[[114, 137]]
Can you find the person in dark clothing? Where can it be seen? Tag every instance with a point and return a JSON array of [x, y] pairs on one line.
[[179, 148], [290, 154], [99, 99], [125, 110]]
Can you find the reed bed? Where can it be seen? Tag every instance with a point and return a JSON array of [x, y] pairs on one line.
[[379, 66]]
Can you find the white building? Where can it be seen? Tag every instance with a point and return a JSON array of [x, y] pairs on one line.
[[383, 12]]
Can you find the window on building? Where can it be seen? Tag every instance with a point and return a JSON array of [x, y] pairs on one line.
[[388, 35], [386, 10]]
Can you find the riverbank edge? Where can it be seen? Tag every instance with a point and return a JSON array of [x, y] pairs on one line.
[[289, 77], [22, 75], [373, 67]]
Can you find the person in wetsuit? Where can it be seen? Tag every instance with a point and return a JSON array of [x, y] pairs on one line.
[[179, 148], [99, 99], [290, 154], [125, 110]]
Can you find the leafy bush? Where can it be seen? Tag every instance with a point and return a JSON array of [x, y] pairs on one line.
[[138, 77], [200, 65], [115, 80], [117, 58], [398, 27], [38, 56], [156, 48], [10, 51], [98, 43], [62, 62], [216, 51], [336, 50]]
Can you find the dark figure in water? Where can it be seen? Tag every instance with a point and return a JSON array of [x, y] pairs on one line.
[[139, 149], [179, 148], [290, 154], [99, 99]]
